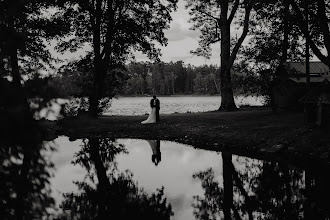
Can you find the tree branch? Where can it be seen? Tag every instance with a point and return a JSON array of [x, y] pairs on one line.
[[91, 12], [301, 23], [244, 34], [233, 11], [209, 15], [243, 191], [324, 23], [108, 38]]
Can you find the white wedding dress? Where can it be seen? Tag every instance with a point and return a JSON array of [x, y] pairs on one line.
[[151, 118]]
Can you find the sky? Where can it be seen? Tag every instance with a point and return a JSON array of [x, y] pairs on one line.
[[181, 40]]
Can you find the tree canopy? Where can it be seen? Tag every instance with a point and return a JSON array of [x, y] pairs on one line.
[[215, 19], [26, 26], [314, 25], [114, 29]]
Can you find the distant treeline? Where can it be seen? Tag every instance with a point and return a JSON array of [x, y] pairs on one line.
[[141, 78], [170, 78]]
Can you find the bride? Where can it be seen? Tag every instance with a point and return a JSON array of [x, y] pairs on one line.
[[152, 115]]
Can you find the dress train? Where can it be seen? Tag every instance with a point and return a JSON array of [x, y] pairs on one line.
[[151, 118]]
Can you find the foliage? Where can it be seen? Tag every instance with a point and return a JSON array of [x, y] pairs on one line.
[[116, 193], [275, 39], [140, 78], [77, 105], [114, 29], [25, 27], [214, 19], [24, 180], [170, 78], [317, 32], [209, 206], [263, 189]]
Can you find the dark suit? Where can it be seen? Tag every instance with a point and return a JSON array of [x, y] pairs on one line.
[[155, 103], [157, 110]]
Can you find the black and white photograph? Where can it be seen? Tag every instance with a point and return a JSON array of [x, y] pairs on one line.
[[165, 109]]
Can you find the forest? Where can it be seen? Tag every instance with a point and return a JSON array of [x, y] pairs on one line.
[[146, 78]]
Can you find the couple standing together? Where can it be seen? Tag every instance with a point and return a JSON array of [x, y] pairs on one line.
[[154, 114]]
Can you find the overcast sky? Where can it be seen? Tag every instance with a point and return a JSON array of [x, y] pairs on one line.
[[181, 41]]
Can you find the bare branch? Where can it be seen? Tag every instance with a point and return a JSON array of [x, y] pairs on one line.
[[209, 15], [244, 34], [233, 11], [301, 22]]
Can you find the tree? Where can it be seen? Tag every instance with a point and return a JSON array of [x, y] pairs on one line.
[[25, 180], [317, 33], [107, 192], [25, 29], [113, 28], [275, 38], [255, 190], [214, 19]]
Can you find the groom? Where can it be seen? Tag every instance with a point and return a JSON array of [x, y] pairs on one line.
[[155, 103]]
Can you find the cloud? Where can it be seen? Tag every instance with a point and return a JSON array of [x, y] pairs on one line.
[[180, 31], [180, 27]]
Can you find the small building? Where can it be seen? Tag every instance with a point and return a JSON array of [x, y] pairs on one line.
[[290, 83], [317, 104]]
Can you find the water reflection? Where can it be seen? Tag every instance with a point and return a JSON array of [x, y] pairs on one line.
[[24, 180], [106, 191], [187, 184], [156, 154], [254, 189]]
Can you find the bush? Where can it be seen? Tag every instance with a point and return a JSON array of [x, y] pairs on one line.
[[77, 105]]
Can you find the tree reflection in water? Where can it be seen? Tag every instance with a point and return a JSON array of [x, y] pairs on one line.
[[261, 190], [24, 181], [106, 192]]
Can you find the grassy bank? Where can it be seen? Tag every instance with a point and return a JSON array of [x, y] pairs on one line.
[[250, 132]]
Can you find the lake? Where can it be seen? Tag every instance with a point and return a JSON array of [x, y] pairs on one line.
[[143, 179], [169, 105], [175, 104]]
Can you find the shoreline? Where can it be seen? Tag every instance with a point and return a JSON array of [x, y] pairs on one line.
[[256, 133], [185, 95]]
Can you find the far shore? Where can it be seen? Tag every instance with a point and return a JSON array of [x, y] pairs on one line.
[[181, 95], [255, 132]]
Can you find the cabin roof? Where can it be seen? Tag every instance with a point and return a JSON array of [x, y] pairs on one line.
[[312, 79], [315, 67]]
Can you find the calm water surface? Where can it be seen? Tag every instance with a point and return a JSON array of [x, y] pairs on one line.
[[175, 104], [106, 178], [192, 179], [169, 105]]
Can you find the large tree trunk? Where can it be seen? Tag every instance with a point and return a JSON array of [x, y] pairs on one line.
[[12, 44], [227, 97], [103, 186], [22, 183], [95, 94], [227, 184]]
